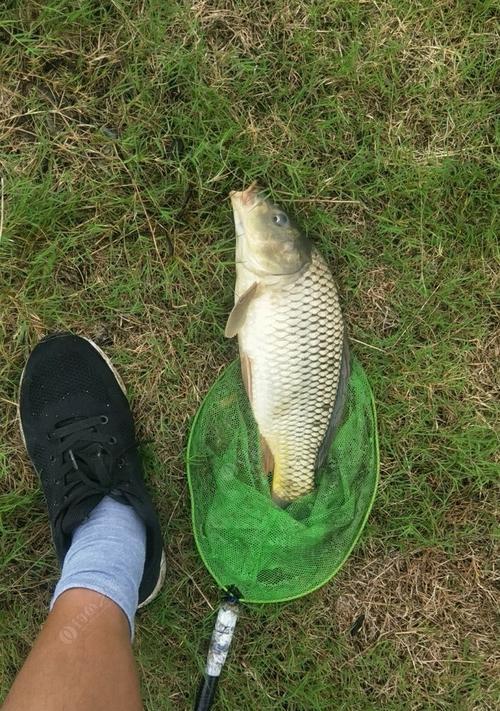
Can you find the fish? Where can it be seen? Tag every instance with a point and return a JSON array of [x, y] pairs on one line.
[[292, 340]]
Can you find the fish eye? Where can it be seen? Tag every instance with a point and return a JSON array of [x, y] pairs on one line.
[[280, 218]]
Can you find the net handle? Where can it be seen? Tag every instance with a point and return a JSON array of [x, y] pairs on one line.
[[206, 693], [220, 642]]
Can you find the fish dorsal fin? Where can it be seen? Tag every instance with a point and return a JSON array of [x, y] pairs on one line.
[[338, 407], [239, 313]]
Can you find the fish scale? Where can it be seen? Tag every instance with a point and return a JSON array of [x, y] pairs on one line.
[[293, 336]]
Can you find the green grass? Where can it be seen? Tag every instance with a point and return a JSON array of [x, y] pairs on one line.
[[123, 126]]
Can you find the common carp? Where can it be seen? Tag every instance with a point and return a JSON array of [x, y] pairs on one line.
[[293, 348]]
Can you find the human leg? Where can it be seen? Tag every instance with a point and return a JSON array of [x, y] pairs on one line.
[[79, 433]]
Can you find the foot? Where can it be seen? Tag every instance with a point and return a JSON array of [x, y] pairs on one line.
[[79, 432]]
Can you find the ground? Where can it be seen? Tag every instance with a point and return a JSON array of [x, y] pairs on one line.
[[123, 127]]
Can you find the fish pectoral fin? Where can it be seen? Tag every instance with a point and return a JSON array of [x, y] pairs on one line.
[[338, 407], [239, 312], [267, 456]]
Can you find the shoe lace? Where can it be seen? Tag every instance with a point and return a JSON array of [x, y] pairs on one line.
[[88, 465]]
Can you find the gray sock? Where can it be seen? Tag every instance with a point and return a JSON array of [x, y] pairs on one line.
[[107, 555]]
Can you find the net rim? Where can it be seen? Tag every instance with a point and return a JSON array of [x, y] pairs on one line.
[[193, 515]]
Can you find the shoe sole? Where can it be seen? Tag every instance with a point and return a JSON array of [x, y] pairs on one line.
[[163, 562], [159, 582]]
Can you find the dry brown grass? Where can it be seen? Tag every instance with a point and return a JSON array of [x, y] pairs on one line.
[[438, 608]]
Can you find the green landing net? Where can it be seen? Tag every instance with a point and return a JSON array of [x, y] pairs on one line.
[[270, 554]]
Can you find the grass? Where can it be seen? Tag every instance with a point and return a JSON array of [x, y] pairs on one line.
[[123, 126]]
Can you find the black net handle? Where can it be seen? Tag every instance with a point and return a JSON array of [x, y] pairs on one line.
[[206, 693], [218, 651]]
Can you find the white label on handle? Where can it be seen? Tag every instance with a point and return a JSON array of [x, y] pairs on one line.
[[221, 638]]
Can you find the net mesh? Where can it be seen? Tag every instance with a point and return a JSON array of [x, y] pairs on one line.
[[271, 554]]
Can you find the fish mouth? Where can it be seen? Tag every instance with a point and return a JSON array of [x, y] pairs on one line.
[[247, 198]]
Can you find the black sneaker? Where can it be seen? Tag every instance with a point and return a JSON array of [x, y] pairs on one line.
[[78, 430]]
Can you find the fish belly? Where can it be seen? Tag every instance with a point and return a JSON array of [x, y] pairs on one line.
[[293, 337]]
